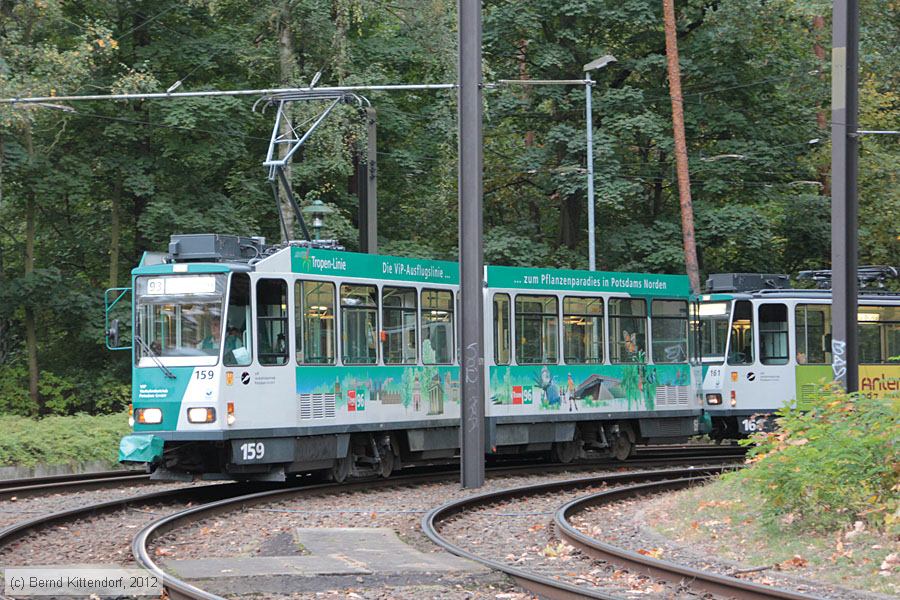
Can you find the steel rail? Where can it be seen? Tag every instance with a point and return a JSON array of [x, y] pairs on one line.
[[543, 586], [178, 588], [204, 493], [65, 477], [731, 587], [30, 486]]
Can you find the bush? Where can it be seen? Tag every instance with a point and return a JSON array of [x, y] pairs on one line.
[[829, 465], [61, 440], [62, 394]]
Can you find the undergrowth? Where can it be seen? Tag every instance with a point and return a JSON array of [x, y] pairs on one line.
[[59, 440], [835, 462]]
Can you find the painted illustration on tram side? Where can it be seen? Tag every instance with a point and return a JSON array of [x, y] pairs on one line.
[[571, 388], [325, 391]]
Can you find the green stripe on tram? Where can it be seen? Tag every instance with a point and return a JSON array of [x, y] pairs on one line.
[[637, 284], [372, 266]]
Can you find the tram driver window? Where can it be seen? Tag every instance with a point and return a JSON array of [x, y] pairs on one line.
[[237, 322], [437, 327], [627, 330], [359, 313], [740, 342], [773, 334], [536, 329], [398, 325], [272, 322], [669, 322]]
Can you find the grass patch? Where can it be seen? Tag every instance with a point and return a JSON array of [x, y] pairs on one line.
[[725, 518], [58, 440]]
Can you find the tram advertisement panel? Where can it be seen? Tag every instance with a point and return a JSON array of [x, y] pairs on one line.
[[875, 381], [572, 388]]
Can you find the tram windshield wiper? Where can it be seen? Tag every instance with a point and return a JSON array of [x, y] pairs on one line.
[[168, 373]]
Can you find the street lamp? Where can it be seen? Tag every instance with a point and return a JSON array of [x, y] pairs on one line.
[[316, 212], [588, 84]]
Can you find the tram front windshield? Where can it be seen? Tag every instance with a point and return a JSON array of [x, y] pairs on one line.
[[179, 319], [713, 318]]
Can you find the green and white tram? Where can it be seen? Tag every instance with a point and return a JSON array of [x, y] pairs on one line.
[[255, 362]]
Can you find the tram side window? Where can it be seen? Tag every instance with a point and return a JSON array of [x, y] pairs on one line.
[[398, 325], [627, 330], [272, 322], [773, 334], [583, 330], [536, 329], [501, 329], [879, 334], [669, 321], [437, 327], [314, 319], [359, 313], [237, 322], [740, 346], [812, 325]]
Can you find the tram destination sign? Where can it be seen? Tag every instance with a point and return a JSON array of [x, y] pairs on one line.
[[638, 284], [373, 266]]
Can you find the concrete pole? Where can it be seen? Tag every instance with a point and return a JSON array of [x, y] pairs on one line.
[[844, 164], [471, 258]]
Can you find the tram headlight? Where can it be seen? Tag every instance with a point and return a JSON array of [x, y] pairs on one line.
[[714, 399], [201, 414], [149, 416], [229, 417]]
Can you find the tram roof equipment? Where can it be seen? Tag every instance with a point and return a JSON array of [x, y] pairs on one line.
[[746, 282], [871, 276]]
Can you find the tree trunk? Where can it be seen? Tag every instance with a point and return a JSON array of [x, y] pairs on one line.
[[30, 324], [288, 68], [681, 159]]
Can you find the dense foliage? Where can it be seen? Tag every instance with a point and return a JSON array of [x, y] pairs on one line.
[[830, 464], [61, 440], [84, 193]]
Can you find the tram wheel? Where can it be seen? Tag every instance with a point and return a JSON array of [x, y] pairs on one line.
[[566, 452], [341, 468], [622, 446], [386, 464]]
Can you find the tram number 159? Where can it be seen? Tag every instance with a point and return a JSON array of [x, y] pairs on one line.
[[253, 450]]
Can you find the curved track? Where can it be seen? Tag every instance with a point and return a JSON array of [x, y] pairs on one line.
[[217, 498], [631, 485], [699, 580], [31, 486]]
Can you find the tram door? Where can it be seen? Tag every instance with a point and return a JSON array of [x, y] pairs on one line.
[[759, 372]]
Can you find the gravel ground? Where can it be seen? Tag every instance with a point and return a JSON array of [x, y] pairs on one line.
[[623, 524], [519, 534], [103, 539]]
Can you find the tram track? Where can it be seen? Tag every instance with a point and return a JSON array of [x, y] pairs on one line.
[[215, 498], [654, 567], [179, 588], [54, 484], [626, 486]]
